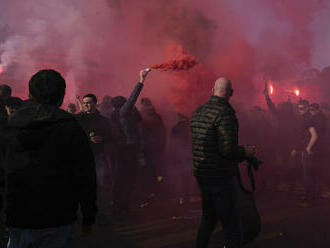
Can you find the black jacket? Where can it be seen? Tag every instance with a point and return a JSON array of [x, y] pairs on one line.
[[95, 125], [49, 169], [126, 120], [216, 152]]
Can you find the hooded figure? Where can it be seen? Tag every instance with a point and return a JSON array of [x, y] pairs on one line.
[[49, 168]]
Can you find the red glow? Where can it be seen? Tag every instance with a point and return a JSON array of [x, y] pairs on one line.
[[1, 69], [271, 89], [184, 63], [297, 92]]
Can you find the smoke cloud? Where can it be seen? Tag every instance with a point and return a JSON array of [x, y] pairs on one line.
[[99, 46]]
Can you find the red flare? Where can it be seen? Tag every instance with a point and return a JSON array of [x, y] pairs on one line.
[[1, 69], [271, 89], [297, 92], [182, 64]]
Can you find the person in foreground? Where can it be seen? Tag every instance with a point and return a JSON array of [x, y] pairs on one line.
[[49, 169], [216, 155]]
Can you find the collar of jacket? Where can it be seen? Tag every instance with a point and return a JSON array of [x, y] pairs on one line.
[[220, 100], [96, 113]]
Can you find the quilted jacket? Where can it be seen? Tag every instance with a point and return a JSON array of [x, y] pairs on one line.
[[216, 153]]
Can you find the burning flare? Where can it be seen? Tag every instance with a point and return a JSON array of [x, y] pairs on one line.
[[297, 92], [271, 89], [184, 63]]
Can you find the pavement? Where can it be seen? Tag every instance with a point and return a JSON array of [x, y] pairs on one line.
[[284, 224], [169, 224]]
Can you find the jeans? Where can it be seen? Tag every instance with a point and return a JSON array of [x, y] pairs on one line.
[[57, 237], [220, 203], [103, 198], [309, 171], [101, 167]]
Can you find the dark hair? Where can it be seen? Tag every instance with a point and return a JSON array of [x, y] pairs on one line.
[[91, 96], [72, 105], [107, 99], [47, 87], [146, 101], [303, 102], [257, 108], [14, 102], [5, 90], [182, 116], [118, 101], [315, 106]]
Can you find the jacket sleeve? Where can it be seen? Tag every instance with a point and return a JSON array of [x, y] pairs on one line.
[[2, 176], [271, 105], [84, 174], [129, 105], [4, 140], [227, 133]]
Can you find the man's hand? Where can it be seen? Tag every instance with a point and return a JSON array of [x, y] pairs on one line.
[[250, 151], [293, 153], [143, 75], [309, 151], [96, 139], [86, 230], [78, 99]]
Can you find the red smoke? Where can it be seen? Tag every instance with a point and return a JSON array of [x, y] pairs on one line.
[[238, 39], [183, 64]]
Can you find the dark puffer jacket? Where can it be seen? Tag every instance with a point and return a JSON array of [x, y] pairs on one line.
[[216, 153]]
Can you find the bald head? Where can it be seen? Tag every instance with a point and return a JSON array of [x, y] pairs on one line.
[[223, 88]]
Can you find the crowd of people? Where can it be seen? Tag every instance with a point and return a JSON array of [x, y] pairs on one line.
[[127, 146], [293, 141], [118, 152]]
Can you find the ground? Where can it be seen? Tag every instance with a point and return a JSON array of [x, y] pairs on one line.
[[284, 224], [162, 225]]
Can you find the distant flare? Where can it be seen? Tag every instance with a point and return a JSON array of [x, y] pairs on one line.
[[271, 89]]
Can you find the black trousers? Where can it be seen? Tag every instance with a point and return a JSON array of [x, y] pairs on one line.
[[125, 176], [220, 203]]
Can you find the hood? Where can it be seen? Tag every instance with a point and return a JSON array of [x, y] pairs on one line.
[[30, 126]]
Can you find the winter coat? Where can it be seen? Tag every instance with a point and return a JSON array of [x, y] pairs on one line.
[[216, 153]]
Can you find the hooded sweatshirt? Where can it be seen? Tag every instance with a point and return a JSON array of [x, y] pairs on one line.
[[49, 169]]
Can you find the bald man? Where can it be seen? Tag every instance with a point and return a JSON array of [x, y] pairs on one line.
[[216, 156]]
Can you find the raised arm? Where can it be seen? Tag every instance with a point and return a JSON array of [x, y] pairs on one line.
[[269, 102], [129, 105], [79, 102]]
